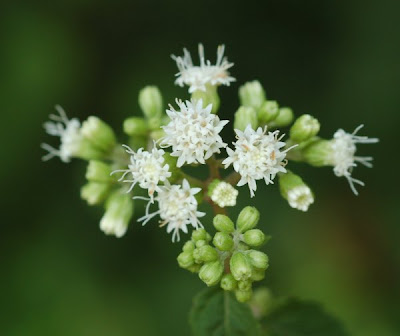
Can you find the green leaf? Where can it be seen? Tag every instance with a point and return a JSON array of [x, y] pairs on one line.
[[297, 318], [217, 313]]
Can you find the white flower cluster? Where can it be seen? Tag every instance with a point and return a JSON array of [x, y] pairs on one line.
[[224, 195], [257, 155], [300, 197]]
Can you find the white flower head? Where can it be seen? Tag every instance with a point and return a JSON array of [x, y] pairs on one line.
[[343, 155], [300, 197], [224, 195], [177, 208], [198, 76], [257, 155], [146, 168], [69, 132], [193, 132]]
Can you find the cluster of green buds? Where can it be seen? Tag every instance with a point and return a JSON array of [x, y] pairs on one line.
[[233, 260]]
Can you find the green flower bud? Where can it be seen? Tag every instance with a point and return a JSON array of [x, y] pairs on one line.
[[258, 259], [210, 96], [284, 118], [245, 285], [185, 259], [223, 223], [211, 272], [318, 153], [240, 266], [199, 234], [252, 94], [245, 116], [247, 219], [242, 247], [295, 191], [157, 134], [196, 256], [200, 243], [304, 128], [151, 102], [98, 171], [135, 126], [228, 282], [94, 192], [208, 253], [195, 268], [268, 111], [154, 123], [254, 237], [208, 237], [258, 274], [188, 246], [99, 134], [119, 211], [223, 241], [86, 150], [243, 296]]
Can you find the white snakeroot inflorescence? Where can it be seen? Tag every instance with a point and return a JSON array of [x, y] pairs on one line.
[[147, 169], [257, 155], [69, 132], [300, 197], [193, 132], [343, 154], [198, 76], [224, 195], [177, 208]]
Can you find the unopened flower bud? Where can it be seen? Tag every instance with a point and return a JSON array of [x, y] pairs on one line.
[[245, 116], [247, 219], [94, 192], [195, 268], [318, 153], [135, 126], [243, 296], [304, 128], [211, 272], [240, 266], [228, 282], [244, 285], [254, 237], [200, 243], [196, 256], [119, 211], [295, 191], [223, 223], [258, 259], [258, 274], [268, 111], [284, 118], [210, 96], [185, 259], [98, 171], [199, 234], [99, 134], [223, 241], [252, 94], [151, 102], [189, 246], [207, 253]]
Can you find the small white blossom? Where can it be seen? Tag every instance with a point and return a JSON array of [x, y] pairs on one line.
[[300, 197], [343, 154], [224, 195], [69, 132], [197, 77], [177, 208], [257, 155], [193, 132], [146, 168]]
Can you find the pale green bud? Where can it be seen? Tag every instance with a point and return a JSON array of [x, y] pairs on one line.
[[196, 256], [199, 234], [99, 134], [284, 118], [88, 151], [210, 96], [228, 282], [240, 266], [254, 237], [304, 128], [243, 296], [318, 153], [258, 274], [185, 259], [223, 223], [135, 126], [154, 123], [247, 219], [268, 111], [223, 241], [195, 268], [252, 94], [208, 253], [245, 285], [245, 116], [189, 246], [208, 237], [258, 259], [94, 192], [151, 102], [211, 272], [119, 211], [201, 243], [98, 171]]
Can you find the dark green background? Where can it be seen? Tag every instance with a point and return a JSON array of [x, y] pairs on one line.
[[339, 61]]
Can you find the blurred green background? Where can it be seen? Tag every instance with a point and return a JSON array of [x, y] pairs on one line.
[[339, 61]]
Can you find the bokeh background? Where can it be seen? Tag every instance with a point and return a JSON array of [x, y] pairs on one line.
[[337, 60]]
